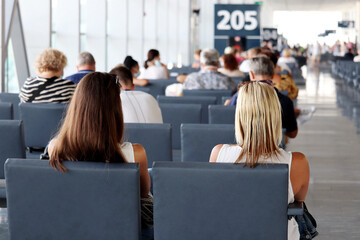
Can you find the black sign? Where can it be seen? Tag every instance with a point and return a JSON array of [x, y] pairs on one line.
[[237, 20], [270, 34]]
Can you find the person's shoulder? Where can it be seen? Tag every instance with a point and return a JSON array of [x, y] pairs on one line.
[[299, 160], [215, 152], [139, 151]]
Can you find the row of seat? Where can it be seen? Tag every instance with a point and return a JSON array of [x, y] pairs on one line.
[[191, 201], [349, 71]]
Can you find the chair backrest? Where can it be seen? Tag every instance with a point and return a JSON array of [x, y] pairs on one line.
[[6, 111], [238, 80], [91, 201], [176, 114], [205, 101], [219, 114], [197, 140], [41, 122], [220, 201], [216, 93], [156, 87], [224, 99], [155, 138], [14, 99], [12, 143]]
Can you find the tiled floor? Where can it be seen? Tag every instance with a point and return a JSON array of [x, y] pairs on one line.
[[331, 142]]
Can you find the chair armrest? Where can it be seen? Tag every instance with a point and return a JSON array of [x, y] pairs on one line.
[[295, 209]]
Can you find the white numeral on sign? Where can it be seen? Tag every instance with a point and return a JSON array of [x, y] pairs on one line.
[[237, 20]]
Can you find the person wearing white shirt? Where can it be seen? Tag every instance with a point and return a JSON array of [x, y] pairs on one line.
[[137, 106], [153, 68]]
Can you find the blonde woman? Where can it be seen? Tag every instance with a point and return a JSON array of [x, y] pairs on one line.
[[258, 134], [48, 86]]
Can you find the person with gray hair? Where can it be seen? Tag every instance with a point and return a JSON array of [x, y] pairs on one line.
[[209, 77], [85, 64]]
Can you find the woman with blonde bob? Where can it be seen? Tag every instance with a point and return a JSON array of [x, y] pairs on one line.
[[93, 129], [258, 135]]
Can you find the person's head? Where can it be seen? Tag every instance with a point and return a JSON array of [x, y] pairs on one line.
[[261, 68], [253, 52], [152, 56], [85, 61], [230, 62], [93, 128], [197, 53], [257, 122], [286, 53], [51, 61], [124, 76], [209, 57], [132, 65], [271, 55]]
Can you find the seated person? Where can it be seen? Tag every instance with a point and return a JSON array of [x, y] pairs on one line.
[[252, 52], [262, 69], [153, 68], [85, 64], [286, 57], [48, 86], [208, 77], [196, 64], [258, 141], [133, 66], [231, 66], [138, 106]]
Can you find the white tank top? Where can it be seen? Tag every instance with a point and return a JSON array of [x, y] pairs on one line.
[[128, 152], [230, 153]]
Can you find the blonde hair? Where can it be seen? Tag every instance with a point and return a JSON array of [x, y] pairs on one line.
[[257, 122], [287, 52], [50, 60]]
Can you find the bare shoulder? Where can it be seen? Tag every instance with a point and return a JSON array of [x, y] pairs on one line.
[[138, 148], [299, 161], [51, 145], [215, 152]]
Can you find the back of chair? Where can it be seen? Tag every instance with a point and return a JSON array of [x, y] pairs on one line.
[[197, 140], [216, 93], [14, 99], [41, 122], [205, 101], [176, 114], [6, 111], [155, 138], [90, 201], [219, 114], [208, 201], [156, 87], [11, 142]]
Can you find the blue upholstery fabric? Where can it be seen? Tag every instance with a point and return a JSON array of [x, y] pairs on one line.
[[92, 200], [41, 122], [156, 87], [197, 140], [175, 114], [238, 80], [219, 114], [14, 99], [11, 145], [217, 93], [205, 101], [212, 201], [155, 138], [6, 111]]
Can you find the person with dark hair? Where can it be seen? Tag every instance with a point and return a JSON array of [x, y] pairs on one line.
[[138, 106], [153, 68], [85, 64], [196, 63], [133, 66], [231, 66]]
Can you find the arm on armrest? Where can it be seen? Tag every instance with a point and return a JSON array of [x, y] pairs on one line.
[[295, 209]]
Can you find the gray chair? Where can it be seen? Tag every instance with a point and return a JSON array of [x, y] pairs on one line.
[[205, 101], [208, 201], [92, 200], [219, 114], [14, 99], [156, 86], [12, 145], [197, 140], [6, 111], [216, 93], [176, 114], [238, 80], [41, 122], [155, 138]]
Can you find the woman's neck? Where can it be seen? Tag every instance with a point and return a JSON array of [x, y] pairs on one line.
[[50, 74]]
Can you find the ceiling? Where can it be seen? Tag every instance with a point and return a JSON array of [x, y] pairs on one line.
[[312, 5]]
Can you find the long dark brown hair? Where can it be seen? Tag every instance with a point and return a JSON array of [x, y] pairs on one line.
[[152, 53], [93, 128]]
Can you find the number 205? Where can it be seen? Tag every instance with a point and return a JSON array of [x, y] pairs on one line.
[[237, 20]]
